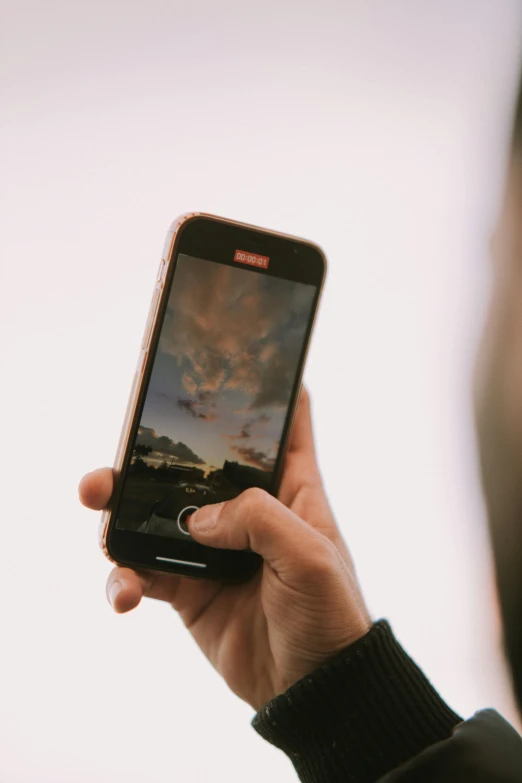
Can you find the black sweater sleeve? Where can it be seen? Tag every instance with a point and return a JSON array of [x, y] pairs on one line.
[[359, 716]]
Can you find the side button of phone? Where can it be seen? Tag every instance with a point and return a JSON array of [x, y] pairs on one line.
[[151, 319], [142, 358], [168, 241], [161, 271]]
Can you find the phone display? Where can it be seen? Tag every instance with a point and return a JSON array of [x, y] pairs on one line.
[[222, 364], [218, 395]]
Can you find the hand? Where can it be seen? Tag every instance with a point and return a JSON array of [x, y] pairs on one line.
[[303, 606]]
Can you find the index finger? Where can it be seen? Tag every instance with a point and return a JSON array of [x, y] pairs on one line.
[[95, 489], [302, 436]]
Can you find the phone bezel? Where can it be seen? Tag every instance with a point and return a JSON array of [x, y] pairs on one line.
[[214, 239]]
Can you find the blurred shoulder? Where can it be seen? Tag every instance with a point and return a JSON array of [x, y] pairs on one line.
[[484, 748]]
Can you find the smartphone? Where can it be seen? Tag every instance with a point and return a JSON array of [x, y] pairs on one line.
[[215, 389]]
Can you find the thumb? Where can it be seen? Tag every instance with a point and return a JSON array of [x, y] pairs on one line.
[[255, 520]]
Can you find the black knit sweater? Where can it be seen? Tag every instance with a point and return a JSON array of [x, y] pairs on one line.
[[371, 709]]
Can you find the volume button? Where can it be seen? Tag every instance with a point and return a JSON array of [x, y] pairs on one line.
[[142, 358], [161, 271], [168, 240], [152, 317]]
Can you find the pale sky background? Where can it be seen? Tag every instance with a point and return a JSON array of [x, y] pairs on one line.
[[377, 129]]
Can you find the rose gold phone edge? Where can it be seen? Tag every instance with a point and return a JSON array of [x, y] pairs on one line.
[[150, 329]]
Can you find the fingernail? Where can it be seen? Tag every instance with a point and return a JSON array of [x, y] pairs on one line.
[[205, 519], [114, 589]]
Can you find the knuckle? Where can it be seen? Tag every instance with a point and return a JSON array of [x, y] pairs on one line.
[[253, 511], [324, 559], [254, 500]]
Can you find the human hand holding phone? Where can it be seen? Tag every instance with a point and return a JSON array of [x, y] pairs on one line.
[[298, 611]]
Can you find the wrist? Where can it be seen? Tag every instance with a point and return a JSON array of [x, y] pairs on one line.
[[362, 713]]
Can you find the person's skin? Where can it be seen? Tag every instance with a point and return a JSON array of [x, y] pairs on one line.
[[499, 417], [302, 608]]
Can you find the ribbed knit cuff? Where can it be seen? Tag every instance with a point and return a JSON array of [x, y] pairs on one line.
[[359, 716]]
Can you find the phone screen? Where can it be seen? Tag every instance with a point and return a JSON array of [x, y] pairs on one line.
[[229, 351]]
